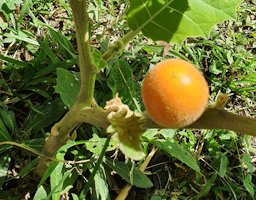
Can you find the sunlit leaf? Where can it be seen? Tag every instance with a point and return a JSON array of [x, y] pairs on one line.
[[101, 187], [174, 20], [56, 181], [177, 151], [40, 193], [96, 144]]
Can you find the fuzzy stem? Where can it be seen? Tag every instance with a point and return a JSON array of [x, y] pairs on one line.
[[118, 45], [61, 130], [222, 119], [214, 118], [88, 69]]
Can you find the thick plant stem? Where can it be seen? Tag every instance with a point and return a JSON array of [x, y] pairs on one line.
[[88, 69], [61, 130], [81, 112], [221, 119], [214, 118], [52, 144]]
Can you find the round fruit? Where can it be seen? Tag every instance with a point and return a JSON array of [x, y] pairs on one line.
[[175, 93]]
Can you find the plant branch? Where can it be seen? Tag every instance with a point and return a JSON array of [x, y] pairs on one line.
[[118, 45], [81, 112], [214, 118], [222, 119], [61, 130], [88, 69]]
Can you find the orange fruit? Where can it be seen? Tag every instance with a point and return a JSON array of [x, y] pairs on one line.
[[175, 93]]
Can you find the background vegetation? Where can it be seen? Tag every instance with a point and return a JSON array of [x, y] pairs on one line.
[[38, 55]]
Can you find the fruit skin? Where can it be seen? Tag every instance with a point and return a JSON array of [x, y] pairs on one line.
[[175, 93]]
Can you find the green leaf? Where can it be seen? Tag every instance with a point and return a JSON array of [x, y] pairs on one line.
[[248, 184], [4, 134], [28, 168], [22, 36], [52, 67], [18, 64], [174, 20], [8, 120], [248, 162], [4, 166], [36, 143], [178, 152], [24, 8], [101, 186], [67, 86], [96, 144], [129, 173], [223, 165], [11, 4], [4, 148], [74, 196], [133, 152], [47, 173], [44, 46], [94, 171], [40, 193], [150, 134], [56, 181], [39, 91], [60, 155], [63, 43], [99, 61], [207, 187], [121, 81], [47, 115]]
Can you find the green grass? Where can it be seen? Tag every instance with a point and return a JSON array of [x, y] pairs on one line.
[[37, 38]]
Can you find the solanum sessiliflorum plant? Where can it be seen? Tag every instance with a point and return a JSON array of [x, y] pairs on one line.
[[170, 21], [174, 92]]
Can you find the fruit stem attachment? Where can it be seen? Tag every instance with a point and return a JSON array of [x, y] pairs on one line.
[[214, 118]]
